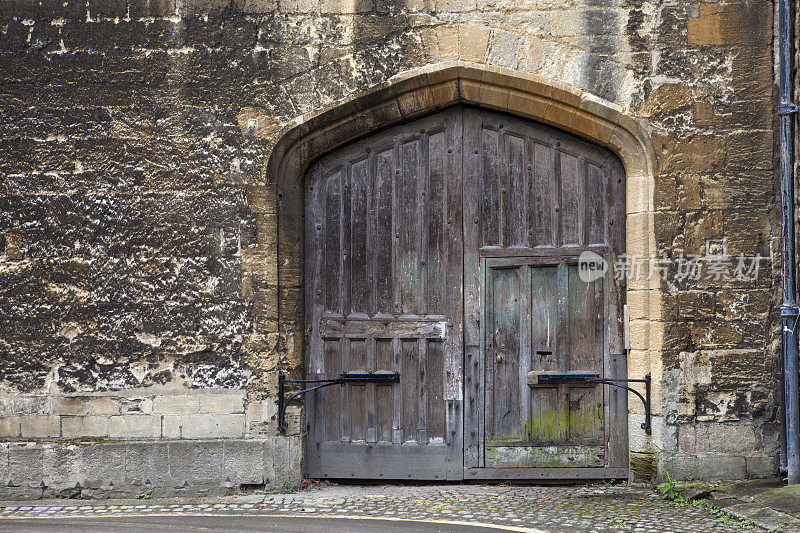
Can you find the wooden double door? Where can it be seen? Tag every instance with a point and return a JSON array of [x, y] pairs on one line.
[[446, 250]]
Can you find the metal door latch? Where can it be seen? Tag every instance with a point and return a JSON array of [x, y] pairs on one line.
[[353, 379], [555, 379]]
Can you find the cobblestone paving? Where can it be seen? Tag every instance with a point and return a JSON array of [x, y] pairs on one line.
[[552, 508]]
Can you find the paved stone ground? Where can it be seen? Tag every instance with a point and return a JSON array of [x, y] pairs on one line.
[[551, 508]]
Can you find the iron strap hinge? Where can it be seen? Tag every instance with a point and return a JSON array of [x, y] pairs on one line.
[[343, 379], [557, 379]]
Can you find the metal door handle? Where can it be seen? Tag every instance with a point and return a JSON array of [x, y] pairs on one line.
[[499, 358]]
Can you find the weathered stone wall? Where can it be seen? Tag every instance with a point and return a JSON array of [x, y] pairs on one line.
[[140, 285]]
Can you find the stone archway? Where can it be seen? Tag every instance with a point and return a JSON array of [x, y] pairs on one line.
[[421, 92]]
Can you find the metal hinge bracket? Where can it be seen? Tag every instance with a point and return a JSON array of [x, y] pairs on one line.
[[343, 379]]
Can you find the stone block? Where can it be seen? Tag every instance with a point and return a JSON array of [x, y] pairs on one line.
[[151, 8], [346, 6], [695, 305], [196, 462], [222, 403], [73, 427], [62, 467], [295, 473], [9, 427], [761, 467], [720, 467], [69, 405], [103, 406], [643, 467], [742, 23], [447, 43], [147, 461], [25, 464], [4, 468], [177, 404], [102, 463], [247, 461], [23, 405], [280, 457], [298, 6], [455, 6], [171, 426], [679, 467], [41, 427], [258, 7], [750, 150], [203, 426], [134, 427], [473, 42], [136, 405]]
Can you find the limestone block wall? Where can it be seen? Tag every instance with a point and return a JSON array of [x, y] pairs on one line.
[[145, 297]]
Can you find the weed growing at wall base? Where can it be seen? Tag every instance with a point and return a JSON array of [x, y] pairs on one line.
[[670, 491]]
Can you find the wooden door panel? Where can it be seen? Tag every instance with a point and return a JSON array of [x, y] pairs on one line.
[[383, 274], [402, 232], [531, 425], [534, 199]]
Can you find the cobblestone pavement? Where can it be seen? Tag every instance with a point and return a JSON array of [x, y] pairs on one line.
[[551, 508]]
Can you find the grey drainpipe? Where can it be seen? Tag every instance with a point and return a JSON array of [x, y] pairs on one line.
[[789, 310]]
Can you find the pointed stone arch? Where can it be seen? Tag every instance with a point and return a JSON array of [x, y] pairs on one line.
[[423, 91]]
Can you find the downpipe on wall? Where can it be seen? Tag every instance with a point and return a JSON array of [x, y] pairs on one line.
[[789, 310]]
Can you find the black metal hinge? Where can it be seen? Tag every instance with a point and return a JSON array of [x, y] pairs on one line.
[[343, 379], [556, 379]]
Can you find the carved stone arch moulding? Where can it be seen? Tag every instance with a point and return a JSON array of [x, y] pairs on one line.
[[423, 91]]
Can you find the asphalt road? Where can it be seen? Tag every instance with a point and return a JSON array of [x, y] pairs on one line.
[[231, 523]]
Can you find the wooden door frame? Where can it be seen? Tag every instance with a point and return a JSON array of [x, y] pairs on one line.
[[278, 200]]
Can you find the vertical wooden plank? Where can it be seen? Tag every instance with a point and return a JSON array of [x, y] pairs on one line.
[[359, 282], [545, 195], [345, 231], [504, 353], [453, 348], [595, 205], [384, 393], [332, 395], [397, 392], [572, 200], [435, 390], [384, 232], [473, 341], [544, 318], [601, 349], [333, 221], [409, 382], [530, 193], [490, 177], [423, 218], [524, 343], [422, 392], [515, 192], [562, 345], [436, 262], [370, 394], [345, 405], [408, 228], [583, 353], [585, 415], [546, 423], [357, 401]]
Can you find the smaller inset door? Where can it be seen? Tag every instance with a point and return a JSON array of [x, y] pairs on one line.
[[542, 318]]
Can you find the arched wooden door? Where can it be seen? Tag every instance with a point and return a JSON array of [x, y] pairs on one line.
[[436, 250]]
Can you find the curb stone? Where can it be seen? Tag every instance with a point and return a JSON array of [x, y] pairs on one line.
[[764, 517]]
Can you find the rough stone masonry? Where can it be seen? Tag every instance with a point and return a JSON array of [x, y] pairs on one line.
[[143, 303]]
